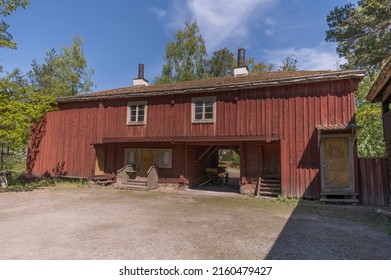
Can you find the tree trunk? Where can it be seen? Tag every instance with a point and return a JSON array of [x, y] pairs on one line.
[[1, 157]]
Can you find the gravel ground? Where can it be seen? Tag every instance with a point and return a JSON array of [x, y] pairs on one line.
[[68, 222]]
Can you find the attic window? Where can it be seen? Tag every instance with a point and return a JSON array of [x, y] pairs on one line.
[[203, 110], [137, 113]]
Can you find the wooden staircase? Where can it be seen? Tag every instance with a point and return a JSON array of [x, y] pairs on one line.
[[139, 183], [339, 197], [103, 180], [268, 186]]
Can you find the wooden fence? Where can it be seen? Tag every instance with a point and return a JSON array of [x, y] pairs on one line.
[[373, 181]]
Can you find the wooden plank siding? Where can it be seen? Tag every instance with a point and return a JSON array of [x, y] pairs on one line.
[[373, 181], [288, 114]]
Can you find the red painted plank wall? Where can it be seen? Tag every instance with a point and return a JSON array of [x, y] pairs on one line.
[[289, 113], [373, 181]]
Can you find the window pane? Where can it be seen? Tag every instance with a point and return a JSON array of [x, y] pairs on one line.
[[199, 103], [140, 118], [130, 159], [208, 102], [198, 116], [132, 116], [165, 158], [209, 109], [198, 110], [208, 116]]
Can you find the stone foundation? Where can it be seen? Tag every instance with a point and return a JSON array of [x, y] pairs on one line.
[[172, 187]]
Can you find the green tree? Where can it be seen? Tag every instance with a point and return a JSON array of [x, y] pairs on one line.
[[64, 73], [362, 32], [369, 117], [288, 64], [221, 64], [6, 8], [20, 105], [259, 67], [185, 56]]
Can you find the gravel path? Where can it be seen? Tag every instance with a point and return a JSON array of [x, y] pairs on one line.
[[66, 222]]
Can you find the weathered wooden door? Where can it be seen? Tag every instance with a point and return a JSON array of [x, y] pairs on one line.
[[100, 161], [337, 175], [147, 159]]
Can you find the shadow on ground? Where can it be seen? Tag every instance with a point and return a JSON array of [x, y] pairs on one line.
[[333, 232]]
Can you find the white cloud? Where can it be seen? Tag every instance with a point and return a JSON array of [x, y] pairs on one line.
[[221, 21], [321, 57], [158, 12]]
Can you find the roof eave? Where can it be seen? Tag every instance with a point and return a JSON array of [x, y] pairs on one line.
[[380, 84], [354, 74]]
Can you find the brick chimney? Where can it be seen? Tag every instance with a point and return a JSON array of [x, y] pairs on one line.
[[242, 69], [140, 81]]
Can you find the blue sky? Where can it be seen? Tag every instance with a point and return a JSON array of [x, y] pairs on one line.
[[120, 34]]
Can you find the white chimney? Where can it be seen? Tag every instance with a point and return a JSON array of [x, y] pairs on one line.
[[140, 81], [242, 69]]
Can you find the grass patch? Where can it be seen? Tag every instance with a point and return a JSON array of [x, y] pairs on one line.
[[22, 183], [288, 201]]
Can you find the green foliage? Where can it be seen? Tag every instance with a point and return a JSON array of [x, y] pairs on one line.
[[288, 64], [185, 56], [20, 105], [228, 155], [363, 33], [64, 73], [259, 67], [287, 201], [6, 8], [221, 64], [369, 117]]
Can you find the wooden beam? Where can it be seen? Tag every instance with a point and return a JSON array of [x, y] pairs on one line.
[[186, 161], [204, 153], [211, 153], [242, 160]]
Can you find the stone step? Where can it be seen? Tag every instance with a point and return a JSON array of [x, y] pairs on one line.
[[132, 187]]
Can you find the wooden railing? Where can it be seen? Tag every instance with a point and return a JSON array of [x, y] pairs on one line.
[[152, 178]]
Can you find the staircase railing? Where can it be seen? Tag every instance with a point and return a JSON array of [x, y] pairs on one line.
[[152, 178]]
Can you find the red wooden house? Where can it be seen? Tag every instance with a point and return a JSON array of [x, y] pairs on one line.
[[295, 126]]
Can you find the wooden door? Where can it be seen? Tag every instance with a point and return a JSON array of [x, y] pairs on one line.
[[271, 160], [100, 161], [337, 165], [147, 159]]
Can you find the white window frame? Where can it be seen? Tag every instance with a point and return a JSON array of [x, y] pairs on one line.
[[193, 109], [137, 103], [160, 158]]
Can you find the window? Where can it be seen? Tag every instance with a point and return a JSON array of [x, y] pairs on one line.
[[165, 158], [203, 109], [161, 157], [130, 156], [137, 113]]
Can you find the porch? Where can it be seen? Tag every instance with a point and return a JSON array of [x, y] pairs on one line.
[[192, 164]]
